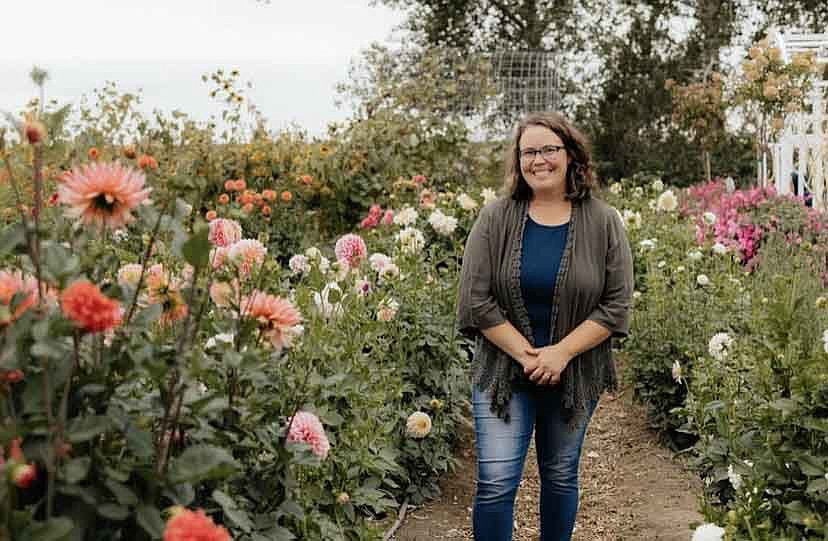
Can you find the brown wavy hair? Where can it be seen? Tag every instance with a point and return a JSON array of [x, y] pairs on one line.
[[580, 178]]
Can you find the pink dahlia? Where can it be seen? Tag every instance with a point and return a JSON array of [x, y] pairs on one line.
[[247, 254], [277, 317], [217, 256], [224, 232], [305, 427], [351, 250], [103, 193], [224, 294], [186, 525], [12, 283], [369, 222]]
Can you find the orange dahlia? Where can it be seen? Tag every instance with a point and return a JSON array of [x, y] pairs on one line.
[[103, 193], [11, 284], [186, 525], [91, 310], [277, 317]]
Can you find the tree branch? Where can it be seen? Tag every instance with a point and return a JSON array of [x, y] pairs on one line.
[[504, 10]]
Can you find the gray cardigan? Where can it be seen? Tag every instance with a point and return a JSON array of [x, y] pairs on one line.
[[595, 282]]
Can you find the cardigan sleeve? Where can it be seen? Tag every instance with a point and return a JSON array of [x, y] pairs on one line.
[[477, 309], [613, 310]]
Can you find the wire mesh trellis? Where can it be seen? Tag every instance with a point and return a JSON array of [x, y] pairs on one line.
[[507, 85], [525, 81]]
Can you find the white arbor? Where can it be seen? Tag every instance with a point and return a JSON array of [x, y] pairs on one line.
[[800, 156]]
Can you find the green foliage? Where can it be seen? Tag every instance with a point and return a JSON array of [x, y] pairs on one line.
[[189, 400], [732, 367]]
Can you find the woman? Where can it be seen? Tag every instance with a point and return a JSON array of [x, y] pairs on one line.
[[546, 282]]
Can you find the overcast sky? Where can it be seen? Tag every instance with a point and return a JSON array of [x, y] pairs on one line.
[[293, 51]]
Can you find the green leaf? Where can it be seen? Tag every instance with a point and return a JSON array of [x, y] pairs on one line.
[[12, 238], [201, 462], [820, 484], [182, 494], [811, 465], [197, 249], [55, 529], [59, 263], [796, 512], [238, 516], [785, 405], [331, 418], [122, 493], [149, 518], [76, 469], [88, 494], [85, 428], [292, 508], [112, 511], [49, 348], [139, 442], [276, 533]]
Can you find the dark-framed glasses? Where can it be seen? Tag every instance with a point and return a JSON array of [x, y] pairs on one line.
[[546, 152]]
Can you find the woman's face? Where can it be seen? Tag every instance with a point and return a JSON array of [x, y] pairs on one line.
[[543, 160]]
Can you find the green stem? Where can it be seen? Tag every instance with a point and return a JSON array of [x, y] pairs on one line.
[[147, 255], [50, 460], [750, 530]]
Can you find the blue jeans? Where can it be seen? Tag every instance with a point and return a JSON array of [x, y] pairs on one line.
[[501, 454]]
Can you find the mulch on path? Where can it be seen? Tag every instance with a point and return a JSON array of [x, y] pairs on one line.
[[632, 488]]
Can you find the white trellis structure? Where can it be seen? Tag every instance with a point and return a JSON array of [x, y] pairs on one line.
[[800, 156]]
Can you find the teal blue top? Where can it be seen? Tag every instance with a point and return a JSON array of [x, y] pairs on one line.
[[543, 248]]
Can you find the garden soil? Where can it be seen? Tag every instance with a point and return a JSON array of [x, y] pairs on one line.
[[632, 488]]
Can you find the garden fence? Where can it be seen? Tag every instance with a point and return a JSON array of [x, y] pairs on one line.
[[800, 156]]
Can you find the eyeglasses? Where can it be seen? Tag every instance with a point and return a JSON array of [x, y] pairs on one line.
[[546, 152]]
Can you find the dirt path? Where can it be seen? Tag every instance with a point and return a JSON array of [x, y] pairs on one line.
[[631, 488]]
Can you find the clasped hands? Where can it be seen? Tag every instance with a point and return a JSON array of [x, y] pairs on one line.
[[545, 365]]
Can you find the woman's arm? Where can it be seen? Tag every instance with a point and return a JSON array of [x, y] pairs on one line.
[[584, 337], [507, 338]]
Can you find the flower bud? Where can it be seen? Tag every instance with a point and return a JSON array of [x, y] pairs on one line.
[[174, 510], [147, 162], [22, 475], [129, 152], [343, 498], [34, 131], [13, 376]]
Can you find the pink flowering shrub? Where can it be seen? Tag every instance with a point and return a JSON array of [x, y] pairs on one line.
[[745, 217]]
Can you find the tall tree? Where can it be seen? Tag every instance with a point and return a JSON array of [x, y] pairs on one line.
[[484, 25], [809, 15]]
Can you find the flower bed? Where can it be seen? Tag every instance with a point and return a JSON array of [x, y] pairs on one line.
[[178, 358], [728, 349]]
